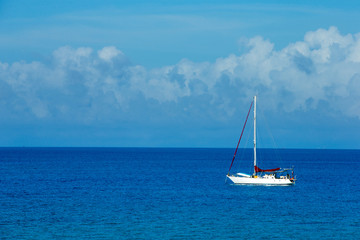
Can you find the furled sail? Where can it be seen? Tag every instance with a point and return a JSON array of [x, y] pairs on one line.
[[257, 169]]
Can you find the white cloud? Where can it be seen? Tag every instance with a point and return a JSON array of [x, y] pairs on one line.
[[354, 55], [83, 86], [108, 53]]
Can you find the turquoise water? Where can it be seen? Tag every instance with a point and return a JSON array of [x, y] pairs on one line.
[[140, 193]]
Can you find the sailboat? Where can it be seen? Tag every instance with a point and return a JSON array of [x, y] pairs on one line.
[[276, 176]]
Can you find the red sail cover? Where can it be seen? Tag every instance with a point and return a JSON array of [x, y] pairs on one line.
[[257, 169]]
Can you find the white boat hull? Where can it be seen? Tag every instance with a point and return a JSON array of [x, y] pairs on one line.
[[260, 180]]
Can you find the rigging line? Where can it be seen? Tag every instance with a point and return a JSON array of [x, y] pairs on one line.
[[259, 138], [263, 149], [244, 149], [240, 138], [259, 153], [277, 155]]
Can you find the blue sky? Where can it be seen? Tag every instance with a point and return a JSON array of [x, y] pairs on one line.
[[178, 73]]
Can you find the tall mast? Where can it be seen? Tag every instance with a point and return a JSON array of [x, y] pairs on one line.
[[254, 134]]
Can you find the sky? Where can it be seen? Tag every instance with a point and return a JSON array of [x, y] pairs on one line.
[[178, 73]]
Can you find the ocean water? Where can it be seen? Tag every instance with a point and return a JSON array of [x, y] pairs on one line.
[[144, 193]]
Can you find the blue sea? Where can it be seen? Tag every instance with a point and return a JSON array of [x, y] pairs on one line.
[[174, 193]]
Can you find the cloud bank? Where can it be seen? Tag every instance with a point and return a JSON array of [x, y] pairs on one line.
[[85, 85]]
